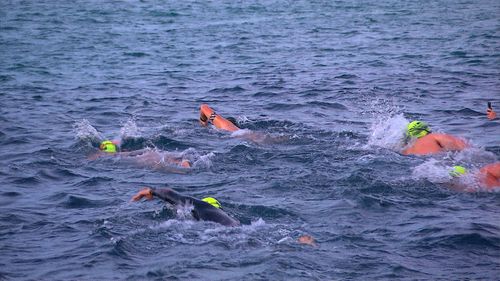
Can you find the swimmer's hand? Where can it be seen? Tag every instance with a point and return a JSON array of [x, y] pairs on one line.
[[146, 192], [490, 113]]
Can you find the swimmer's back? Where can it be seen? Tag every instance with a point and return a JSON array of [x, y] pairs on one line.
[[435, 143]]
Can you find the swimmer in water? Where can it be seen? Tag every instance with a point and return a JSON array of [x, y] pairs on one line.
[[307, 240], [208, 116], [490, 113], [146, 157], [207, 209], [421, 141], [487, 178]]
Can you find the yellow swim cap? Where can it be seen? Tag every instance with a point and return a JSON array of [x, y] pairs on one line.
[[107, 146], [458, 171], [212, 201], [417, 129]]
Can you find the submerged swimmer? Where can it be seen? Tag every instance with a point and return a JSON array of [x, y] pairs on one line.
[[421, 141], [487, 178], [207, 209], [158, 160]]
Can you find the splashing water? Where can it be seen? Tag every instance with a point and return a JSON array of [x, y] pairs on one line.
[[130, 130], [184, 212], [85, 131], [204, 161], [388, 133], [433, 171]]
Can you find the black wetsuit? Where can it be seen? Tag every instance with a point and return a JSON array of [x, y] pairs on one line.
[[202, 210]]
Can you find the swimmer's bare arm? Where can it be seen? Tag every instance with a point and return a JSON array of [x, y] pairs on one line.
[[165, 194], [146, 192]]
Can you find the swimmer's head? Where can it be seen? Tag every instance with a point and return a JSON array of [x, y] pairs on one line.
[[212, 201], [107, 146], [417, 129], [458, 171]]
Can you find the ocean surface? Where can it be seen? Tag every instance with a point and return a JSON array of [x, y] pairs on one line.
[[329, 84]]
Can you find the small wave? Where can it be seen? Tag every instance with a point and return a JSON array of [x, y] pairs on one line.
[[163, 14], [462, 241], [27, 180], [55, 174], [328, 105], [80, 202], [282, 106], [136, 54], [11, 194], [462, 112], [264, 94], [93, 181], [236, 89], [346, 76], [6, 78], [459, 54]]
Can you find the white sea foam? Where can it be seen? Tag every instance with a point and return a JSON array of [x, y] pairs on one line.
[[388, 132], [433, 171], [130, 130], [85, 131]]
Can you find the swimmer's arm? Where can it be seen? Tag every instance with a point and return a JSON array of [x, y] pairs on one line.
[[164, 194], [149, 193], [146, 192]]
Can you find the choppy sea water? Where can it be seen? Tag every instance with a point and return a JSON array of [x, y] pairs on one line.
[[333, 82]]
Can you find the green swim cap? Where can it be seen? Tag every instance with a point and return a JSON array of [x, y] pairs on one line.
[[107, 146], [458, 171], [212, 201], [417, 129]]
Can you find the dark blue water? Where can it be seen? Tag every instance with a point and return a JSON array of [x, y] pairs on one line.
[[333, 81]]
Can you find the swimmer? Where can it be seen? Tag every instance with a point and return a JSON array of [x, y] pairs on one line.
[[208, 116], [490, 113], [487, 178], [207, 209], [421, 141], [106, 148], [307, 240], [147, 157]]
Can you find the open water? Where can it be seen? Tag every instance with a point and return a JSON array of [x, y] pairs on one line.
[[333, 81]]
